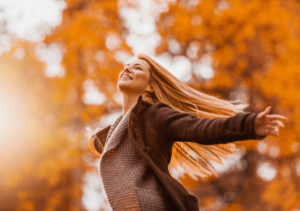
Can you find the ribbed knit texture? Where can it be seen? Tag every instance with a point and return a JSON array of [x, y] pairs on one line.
[[130, 184]]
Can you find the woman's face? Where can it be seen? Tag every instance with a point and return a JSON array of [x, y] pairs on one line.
[[134, 78]]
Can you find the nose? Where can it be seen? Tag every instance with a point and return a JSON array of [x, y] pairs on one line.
[[126, 69]]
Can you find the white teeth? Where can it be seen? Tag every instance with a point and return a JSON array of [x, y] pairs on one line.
[[126, 77]]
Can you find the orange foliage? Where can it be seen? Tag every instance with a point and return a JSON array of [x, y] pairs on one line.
[[254, 48]]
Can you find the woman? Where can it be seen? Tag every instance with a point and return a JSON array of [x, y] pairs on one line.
[[163, 120]]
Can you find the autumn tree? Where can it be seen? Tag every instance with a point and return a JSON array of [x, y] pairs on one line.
[[239, 49], [46, 152], [253, 48]]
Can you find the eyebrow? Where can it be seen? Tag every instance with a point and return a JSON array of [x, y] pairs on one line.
[[134, 64]]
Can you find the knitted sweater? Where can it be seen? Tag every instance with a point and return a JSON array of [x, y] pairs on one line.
[[130, 184]]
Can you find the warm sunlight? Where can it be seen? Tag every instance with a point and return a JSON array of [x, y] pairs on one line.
[[59, 67], [14, 118]]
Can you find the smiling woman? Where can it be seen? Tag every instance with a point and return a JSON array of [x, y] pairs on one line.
[[163, 121], [134, 79]]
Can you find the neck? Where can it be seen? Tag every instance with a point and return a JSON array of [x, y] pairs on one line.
[[128, 101]]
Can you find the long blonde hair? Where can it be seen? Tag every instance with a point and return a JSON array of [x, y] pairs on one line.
[[170, 90]]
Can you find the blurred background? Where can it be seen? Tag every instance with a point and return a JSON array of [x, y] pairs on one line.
[[59, 62]]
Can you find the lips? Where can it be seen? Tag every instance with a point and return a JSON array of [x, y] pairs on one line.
[[126, 76]]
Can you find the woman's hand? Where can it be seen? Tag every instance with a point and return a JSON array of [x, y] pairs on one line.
[[265, 124]]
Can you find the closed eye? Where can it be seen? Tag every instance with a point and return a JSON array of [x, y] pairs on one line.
[[139, 68]]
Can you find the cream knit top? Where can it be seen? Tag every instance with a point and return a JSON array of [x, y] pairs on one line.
[[129, 183]]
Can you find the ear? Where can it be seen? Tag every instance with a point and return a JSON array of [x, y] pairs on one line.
[[149, 89]]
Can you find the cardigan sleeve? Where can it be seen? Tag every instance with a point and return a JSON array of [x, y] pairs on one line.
[[185, 127]]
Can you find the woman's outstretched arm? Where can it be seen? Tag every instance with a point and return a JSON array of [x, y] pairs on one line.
[[177, 126]]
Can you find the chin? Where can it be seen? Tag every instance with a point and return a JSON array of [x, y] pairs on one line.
[[124, 87]]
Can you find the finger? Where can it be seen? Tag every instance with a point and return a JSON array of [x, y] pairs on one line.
[[262, 114], [278, 123], [276, 117], [269, 127], [274, 131], [276, 128]]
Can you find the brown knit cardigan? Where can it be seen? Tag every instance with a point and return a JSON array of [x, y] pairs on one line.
[[153, 128], [129, 183]]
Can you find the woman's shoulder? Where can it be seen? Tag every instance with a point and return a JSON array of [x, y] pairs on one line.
[[159, 111], [144, 104], [157, 107]]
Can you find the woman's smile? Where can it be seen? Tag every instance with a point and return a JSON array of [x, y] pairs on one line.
[[134, 79], [126, 77]]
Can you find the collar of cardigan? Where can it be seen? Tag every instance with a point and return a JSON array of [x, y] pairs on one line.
[[139, 107]]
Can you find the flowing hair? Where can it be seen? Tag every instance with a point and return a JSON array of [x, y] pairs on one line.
[[194, 158]]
